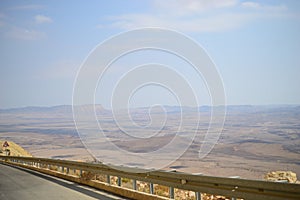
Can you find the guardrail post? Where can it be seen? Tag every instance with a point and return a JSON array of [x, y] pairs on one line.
[[198, 195], [108, 179], [68, 170], [119, 181], [134, 184], [151, 188], [80, 173], [171, 192], [62, 169]]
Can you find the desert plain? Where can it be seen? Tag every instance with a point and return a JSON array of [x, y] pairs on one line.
[[253, 140]]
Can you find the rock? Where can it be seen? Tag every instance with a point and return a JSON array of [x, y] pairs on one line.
[[282, 176]]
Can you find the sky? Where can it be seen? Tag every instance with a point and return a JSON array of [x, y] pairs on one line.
[[255, 46]]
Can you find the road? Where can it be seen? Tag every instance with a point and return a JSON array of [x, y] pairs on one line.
[[16, 183]]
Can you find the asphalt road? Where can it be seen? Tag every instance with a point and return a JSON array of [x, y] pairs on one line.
[[23, 184]]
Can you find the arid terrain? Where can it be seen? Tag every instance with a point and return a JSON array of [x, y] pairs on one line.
[[254, 140]]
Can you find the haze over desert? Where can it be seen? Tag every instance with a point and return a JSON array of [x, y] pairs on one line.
[[254, 141]]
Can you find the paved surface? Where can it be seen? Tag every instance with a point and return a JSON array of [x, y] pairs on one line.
[[16, 183]]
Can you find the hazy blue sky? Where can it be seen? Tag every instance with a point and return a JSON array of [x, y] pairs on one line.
[[255, 44]]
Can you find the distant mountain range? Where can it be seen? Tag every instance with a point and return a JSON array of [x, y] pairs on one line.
[[60, 109], [67, 109]]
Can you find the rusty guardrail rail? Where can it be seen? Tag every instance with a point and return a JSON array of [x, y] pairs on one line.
[[229, 187]]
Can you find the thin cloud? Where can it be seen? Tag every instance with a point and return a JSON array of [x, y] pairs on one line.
[[25, 34], [197, 16], [10, 30], [251, 4], [258, 6], [28, 7], [41, 19], [192, 6], [216, 23]]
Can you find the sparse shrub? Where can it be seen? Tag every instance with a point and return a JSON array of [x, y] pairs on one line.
[[101, 178], [87, 176], [161, 190], [54, 168], [125, 180]]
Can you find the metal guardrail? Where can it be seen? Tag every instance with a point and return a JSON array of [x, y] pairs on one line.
[[229, 187]]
